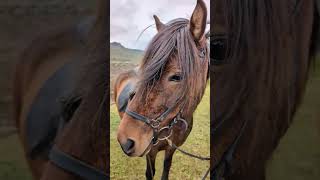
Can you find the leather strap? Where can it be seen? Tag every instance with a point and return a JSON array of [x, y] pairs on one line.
[[75, 166], [138, 116], [224, 167]]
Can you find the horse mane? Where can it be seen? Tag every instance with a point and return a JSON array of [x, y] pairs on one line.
[[265, 28], [94, 66], [175, 41], [269, 58]]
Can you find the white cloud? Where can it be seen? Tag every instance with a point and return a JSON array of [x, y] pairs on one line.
[[128, 18]]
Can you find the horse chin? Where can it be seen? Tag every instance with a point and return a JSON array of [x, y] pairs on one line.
[[147, 150]]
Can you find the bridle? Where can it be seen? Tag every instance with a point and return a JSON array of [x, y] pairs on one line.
[[75, 166], [156, 122]]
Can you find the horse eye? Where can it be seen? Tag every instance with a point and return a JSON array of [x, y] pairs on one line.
[[219, 50], [131, 95], [175, 78]]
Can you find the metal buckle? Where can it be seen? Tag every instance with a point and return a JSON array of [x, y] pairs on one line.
[[175, 120], [179, 118], [154, 124], [202, 53], [155, 141], [167, 127]]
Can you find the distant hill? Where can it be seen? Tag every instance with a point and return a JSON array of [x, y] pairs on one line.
[[116, 45], [119, 53]]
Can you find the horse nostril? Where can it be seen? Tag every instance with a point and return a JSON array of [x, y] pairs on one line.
[[128, 147]]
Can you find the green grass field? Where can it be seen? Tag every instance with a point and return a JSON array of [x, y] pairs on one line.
[[12, 163], [183, 167]]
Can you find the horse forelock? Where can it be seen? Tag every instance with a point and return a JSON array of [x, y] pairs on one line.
[[175, 42]]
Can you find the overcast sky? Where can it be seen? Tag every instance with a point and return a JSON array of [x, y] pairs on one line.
[[128, 18]]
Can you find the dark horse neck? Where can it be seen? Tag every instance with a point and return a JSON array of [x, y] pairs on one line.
[[85, 136]]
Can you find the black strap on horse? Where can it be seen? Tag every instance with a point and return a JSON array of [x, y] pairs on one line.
[[156, 122], [224, 167], [151, 122], [75, 166]]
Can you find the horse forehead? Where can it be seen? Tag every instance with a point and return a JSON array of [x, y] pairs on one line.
[[173, 64]]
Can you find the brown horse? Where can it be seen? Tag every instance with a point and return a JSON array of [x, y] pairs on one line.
[[156, 101], [261, 55], [60, 87]]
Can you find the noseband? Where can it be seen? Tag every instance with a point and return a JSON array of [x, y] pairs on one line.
[[155, 123]]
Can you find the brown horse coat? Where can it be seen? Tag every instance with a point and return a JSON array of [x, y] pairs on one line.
[[269, 46], [45, 56]]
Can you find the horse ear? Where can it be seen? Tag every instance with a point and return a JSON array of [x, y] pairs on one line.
[[159, 24], [198, 20]]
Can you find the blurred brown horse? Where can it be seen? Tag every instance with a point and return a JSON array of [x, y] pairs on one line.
[[60, 99], [261, 56], [156, 102]]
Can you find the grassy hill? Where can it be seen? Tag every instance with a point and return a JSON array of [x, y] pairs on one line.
[[119, 53], [122, 59]]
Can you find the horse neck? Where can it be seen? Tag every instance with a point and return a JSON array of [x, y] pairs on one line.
[[84, 138], [74, 143]]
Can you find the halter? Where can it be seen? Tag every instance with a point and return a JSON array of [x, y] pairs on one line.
[[155, 123], [75, 166]]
